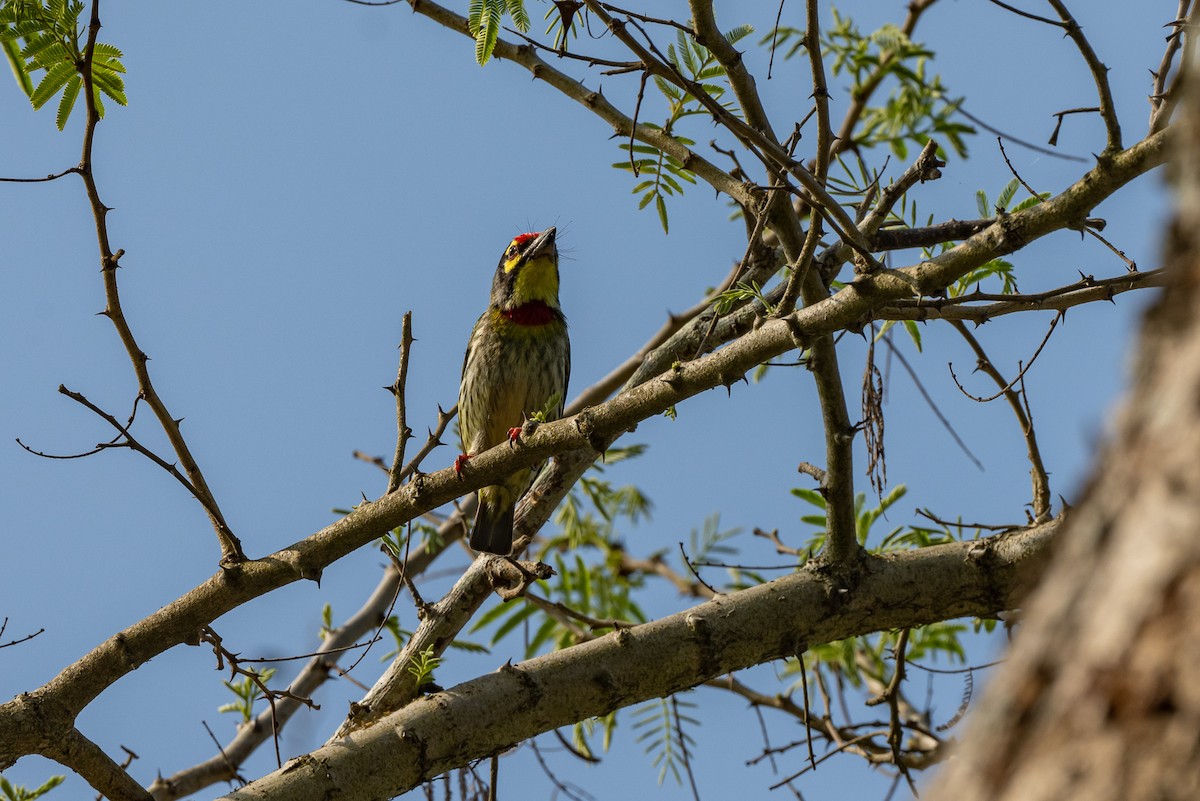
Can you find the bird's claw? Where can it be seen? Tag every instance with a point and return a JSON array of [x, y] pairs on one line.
[[459, 463]]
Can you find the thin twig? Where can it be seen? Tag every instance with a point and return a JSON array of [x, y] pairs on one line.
[[1005, 387], [1060, 115], [895, 351], [683, 749], [132, 443], [571, 791], [403, 432], [960, 525], [18, 641], [1162, 95], [231, 548], [1087, 290], [1026, 14], [52, 177], [1045, 151], [434, 440], [1099, 72], [687, 562], [1038, 475]]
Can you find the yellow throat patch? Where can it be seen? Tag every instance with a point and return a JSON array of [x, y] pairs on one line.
[[537, 280]]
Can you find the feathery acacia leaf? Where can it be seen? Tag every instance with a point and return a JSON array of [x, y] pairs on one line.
[[45, 35]]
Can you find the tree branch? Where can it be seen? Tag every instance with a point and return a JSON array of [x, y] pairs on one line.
[[231, 548], [770, 621], [29, 721], [1108, 110]]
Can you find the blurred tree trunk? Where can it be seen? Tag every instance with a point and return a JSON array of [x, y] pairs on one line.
[[1100, 696]]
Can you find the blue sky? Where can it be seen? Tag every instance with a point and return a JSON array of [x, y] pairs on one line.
[[289, 179]]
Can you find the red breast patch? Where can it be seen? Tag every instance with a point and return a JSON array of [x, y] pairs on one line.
[[533, 313]]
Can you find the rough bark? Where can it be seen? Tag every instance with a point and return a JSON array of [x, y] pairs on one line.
[[781, 618], [1100, 698]]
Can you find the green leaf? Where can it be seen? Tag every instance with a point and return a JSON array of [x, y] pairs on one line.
[[13, 53], [111, 85], [1006, 194], [662, 213], [914, 331], [520, 17], [487, 27], [981, 203], [107, 51], [54, 79], [1030, 202], [810, 496], [734, 35], [67, 102]]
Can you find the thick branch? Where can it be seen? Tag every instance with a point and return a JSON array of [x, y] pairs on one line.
[[71, 749], [729, 633]]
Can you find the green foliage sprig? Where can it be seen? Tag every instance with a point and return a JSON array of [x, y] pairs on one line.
[[660, 726], [484, 18], [918, 106], [423, 666], [46, 35], [698, 65], [247, 691], [19, 792]]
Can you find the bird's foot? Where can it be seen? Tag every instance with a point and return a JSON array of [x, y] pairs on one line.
[[525, 429], [459, 463]]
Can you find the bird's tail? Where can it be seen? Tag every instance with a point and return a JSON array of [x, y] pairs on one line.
[[493, 530]]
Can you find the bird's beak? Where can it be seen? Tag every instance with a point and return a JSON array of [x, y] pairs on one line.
[[543, 244]]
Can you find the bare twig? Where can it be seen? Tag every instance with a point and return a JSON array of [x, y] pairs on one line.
[[1026, 14], [1163, 96], [132, 443], [52, 177], [1039, 477], [1087, 290], [1045, 151], [895, 351], [224, 655], [403, 432], [688, 562], [231, 548], [19, 640], [820, 95], [1108, 110], [677, 722], [1005, 387]]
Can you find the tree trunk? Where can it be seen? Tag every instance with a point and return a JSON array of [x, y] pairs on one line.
[[1100, 696]]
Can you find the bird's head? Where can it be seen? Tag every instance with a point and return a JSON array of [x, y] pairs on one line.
[[528, 272]]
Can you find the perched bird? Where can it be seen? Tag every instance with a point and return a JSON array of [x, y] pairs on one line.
[[517, 364]]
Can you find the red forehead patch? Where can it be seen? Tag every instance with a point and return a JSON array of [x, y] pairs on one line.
[[521, 239]]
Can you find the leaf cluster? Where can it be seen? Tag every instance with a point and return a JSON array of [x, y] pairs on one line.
[[846, 658], [484, 18], [660, 725], [247, 692], [916, 109], [46, 36], [701, 69], [18, 792]]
